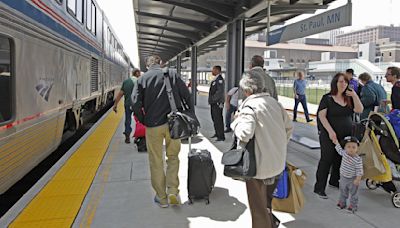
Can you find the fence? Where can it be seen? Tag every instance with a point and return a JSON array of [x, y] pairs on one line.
[[314, 91]]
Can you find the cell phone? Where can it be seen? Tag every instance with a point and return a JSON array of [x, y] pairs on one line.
[[350, 87]]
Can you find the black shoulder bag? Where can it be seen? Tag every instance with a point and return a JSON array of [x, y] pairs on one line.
[[182, 124], [240, 163]]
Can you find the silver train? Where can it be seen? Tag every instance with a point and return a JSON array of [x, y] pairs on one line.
[[59, 61]]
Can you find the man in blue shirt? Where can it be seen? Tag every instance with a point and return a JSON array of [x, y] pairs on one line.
[[299, 87], [353, 83]]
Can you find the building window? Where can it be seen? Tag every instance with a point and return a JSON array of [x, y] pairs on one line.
[[390, 53], [6, 80], [382, 53], [360, 54]]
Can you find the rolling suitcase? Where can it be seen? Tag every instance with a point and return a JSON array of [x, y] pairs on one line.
[[201, 174]]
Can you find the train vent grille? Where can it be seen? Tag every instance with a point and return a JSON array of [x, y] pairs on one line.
[[94, 75]]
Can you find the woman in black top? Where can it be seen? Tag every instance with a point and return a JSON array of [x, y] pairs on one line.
[[335, 113]]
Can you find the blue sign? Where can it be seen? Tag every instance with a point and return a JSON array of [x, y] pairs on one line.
[[326, 21]]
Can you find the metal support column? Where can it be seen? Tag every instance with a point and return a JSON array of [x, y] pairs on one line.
[[194, 73], [178, 65], [235, 53]]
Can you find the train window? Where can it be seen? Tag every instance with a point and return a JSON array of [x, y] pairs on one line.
[[75, 7], [89, 14], [71, 4], [6, 91], [94, 13]]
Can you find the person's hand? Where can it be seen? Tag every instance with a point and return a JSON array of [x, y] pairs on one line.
[[115, 109], [296, 96], [235, 115], [333, 137], [336, 142], [351, 93], [383, 103], [357, 182]]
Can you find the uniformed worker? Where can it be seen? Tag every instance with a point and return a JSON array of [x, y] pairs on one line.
[[216, 98], [126, 91]]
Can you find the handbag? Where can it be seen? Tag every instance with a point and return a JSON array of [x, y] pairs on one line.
[[182, 124], [240, 163]]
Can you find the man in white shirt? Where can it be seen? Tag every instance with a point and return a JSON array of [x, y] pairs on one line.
[[231, 106]]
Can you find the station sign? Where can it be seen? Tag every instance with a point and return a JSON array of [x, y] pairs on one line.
[[332, 19]]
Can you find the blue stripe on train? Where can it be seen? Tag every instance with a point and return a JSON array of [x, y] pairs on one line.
[[39, 16]]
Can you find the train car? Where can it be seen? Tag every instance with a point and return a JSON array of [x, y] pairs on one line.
[[59, 61]]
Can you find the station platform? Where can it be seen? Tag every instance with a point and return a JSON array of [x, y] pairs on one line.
[[103, 182]]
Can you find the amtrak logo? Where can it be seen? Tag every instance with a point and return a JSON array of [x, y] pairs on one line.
[[44, 88]]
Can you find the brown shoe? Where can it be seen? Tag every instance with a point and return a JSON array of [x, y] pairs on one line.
[[127, 139]]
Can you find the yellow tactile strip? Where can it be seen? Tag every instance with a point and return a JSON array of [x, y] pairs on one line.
[[60, 200]]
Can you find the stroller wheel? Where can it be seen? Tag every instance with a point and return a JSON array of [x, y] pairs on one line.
[[396, 199], [371, 184]]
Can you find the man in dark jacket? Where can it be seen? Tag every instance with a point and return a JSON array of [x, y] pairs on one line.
[[216, 98], [151, 106], [371, 95], [256, 67]]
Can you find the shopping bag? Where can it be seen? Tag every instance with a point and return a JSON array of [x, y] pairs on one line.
[[295, 201], [386, 176], [371, 155], [283, 186]]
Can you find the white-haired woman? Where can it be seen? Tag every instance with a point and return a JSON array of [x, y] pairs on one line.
[[260, 115]]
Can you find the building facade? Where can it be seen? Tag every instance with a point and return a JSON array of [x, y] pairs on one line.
[[369, 35]]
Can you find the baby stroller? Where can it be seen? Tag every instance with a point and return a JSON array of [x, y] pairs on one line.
[[389, 145]]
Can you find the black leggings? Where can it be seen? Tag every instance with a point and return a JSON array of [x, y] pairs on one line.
[[330, 159]]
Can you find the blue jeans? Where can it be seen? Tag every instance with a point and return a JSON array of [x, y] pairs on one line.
[[228, 116], [128, 120], [301, 99]]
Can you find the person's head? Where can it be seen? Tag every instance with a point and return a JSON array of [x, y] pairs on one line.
[[364, 78], [251, 83], [216, 70], [300, 75], [153, 60], [349, 74], [257, 60], [339, 84], [351, 145], [392, 74], [136, 73]]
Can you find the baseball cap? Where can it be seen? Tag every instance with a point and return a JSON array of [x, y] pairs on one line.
[[348, 139]]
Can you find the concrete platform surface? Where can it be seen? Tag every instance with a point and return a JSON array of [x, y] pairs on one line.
[[121, 194]]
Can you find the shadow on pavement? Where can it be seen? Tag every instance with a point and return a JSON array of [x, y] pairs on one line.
[[222, 207], [195, 139]]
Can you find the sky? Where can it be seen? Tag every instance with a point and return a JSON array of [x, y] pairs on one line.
[[365, 13], [121, 17]]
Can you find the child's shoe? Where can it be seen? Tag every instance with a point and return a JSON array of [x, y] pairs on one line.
[[341, 205], [352, 209]]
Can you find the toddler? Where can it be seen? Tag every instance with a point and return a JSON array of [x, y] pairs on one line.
[[351, 171]]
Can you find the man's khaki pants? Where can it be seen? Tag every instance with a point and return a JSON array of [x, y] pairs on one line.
[[163, 183]]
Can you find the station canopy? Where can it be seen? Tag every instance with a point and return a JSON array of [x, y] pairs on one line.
[[169, 27]]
